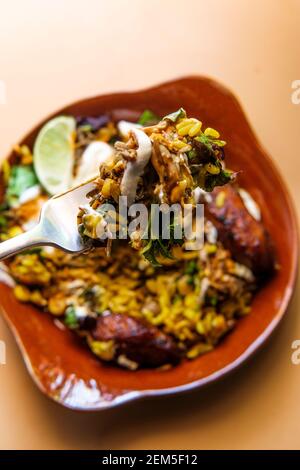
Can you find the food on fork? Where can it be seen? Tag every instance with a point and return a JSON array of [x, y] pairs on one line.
[[159, 164]]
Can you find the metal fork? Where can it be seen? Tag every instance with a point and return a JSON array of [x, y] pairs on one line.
[[57, 225]]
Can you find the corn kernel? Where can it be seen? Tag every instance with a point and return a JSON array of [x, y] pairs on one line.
[[26, 155], [210, 249], [22, 293], [183, 285], [190, 314], [220, 199], [219, 323], [106, 188], [191, 300], [179, 144], [106, 133], [210, 132], [104, 349], [57, 305], [212, 169], [115, 190], [182, 123], [14, 231], [200, 327], [195, 129], [6, 171], [37, 298], [178, 192], [198, 349], [184, 130]]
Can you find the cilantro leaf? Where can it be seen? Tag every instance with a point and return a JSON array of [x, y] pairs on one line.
[[155, 247], [3, 222], [180, 113], [70, 319], [21, 178], [148, 118]]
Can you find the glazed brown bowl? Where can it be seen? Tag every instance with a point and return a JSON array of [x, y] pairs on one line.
[[62, 366]]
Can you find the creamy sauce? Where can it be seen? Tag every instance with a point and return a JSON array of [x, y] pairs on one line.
[[203, 289], [211, 233], [92, 158], [135, 169], [244, 272], [250, 204], [81, 311], [102, 226], [201, 196], [124, 127]]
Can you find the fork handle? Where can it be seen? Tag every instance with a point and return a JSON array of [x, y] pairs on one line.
[[32, 238]]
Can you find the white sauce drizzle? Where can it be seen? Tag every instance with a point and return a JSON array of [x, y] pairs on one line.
[[250, 204], [102, 226], [92, 158], [201, 195], [211, 232], [124, 127], [135, 169], [81, 311]]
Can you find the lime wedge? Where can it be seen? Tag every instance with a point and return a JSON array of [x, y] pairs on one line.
[[53, 154]]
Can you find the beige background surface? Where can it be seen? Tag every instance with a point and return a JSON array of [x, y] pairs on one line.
[[54, 52]]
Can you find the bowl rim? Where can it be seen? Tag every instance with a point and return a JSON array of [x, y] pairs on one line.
[[256, 345]]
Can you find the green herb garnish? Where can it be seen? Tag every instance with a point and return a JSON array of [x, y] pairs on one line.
[[70, 319], [191, 268], [3, 222], [210, 141], [85, 128], [148, 118], [21, 178], [155, 247], [224, 177], [180, 113]]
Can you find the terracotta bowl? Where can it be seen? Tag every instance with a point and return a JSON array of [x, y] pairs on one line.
[[64, 369]]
